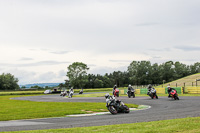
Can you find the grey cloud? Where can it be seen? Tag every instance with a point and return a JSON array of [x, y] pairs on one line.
[[25, 59], [55, 52], [188, 48]]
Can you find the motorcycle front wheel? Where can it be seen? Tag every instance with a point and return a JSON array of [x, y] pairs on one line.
[[112, 110], [117, 94], [133, 95], [156, 97]]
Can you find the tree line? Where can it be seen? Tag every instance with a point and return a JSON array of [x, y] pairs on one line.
[[138, 73]]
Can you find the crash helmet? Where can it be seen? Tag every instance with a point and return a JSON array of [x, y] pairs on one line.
[[129, 85], [168, 87], [107, 95], [149, 86], [115, 86]]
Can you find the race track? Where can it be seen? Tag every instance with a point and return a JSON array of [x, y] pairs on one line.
[[161, 109]]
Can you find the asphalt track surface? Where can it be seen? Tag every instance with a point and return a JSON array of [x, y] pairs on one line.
[[161, 109]]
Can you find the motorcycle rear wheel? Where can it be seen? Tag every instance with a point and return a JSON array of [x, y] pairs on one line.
[[126, 109]]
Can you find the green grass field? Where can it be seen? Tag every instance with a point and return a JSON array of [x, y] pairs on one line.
[[18, 109], [3, 93], [184, 125]]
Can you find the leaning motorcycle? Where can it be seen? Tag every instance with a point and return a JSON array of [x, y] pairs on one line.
[[116, 92], [116, 106], [174, 95], [131, 93], [64, 93], [152, 93], [81, 92]]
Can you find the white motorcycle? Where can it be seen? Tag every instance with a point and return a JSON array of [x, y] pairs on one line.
[[64, 93]]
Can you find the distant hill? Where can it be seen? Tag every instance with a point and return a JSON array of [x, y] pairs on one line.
[[186, 80], [41, 85]]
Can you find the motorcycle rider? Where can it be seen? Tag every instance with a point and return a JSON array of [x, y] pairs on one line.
[[108, 97], [71, 91], [149, 87], [114, 88], [169, 89], [130, 87]]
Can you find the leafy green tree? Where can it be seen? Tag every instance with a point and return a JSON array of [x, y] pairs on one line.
[[140, 72], [156, 74], [23, 87], [36, 86], [61, 85], [98, 83], [180, 70], [167, 70], [195, 68], [8, 82], [77, 74], [106, 81]]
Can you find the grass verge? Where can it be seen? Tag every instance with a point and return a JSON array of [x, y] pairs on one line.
[[184, 125], [18, 109]]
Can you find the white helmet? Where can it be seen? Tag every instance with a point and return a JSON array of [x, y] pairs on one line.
[[149, 86], [129, 85], [107, 95]]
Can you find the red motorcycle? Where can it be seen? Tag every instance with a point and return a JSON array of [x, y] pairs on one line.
[[174, 95], [116, 92]]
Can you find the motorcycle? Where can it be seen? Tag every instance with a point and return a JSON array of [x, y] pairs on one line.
[[174, 95], [116, 92], [116, 106], [152, 93], [70, 94], [131, 93], [81, 92], [64, 93]]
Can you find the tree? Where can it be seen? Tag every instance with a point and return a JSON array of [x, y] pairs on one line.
[[195, 68], [140, 72], [8, 82], [77, 74], [60, 86]]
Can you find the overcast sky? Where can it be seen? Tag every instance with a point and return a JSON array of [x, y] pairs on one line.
[[39, 39]]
